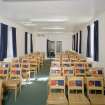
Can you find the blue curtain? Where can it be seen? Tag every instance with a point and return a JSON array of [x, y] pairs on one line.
[[88, 42], [48, 47], [77, 42], [14, 42], [3, 41], [26, 38], [96, 41], [80, 42], [74, 43], [31, 44]]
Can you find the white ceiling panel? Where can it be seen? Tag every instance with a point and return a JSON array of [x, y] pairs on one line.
[[74, 12]]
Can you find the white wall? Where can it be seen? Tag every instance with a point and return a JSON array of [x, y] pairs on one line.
[[41, 41], [41, 44], [20, 31], [84, 41], [65, 38], [101, 19]]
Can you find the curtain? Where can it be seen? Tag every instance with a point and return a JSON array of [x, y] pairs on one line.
[[77, 42], [48, 42], [74, 43], [96, 41], [31, 44], [14, 42], [80, 42], [26, 36], [3, 41], [28, 43], [88, 42]]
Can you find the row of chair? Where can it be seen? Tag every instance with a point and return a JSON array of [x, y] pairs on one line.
[[13, 72], [75, 90], [75, 72], [22, 67]]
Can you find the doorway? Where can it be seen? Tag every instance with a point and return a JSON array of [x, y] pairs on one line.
[[53, 47]]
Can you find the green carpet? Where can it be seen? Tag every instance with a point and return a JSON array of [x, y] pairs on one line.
[[35, 93]]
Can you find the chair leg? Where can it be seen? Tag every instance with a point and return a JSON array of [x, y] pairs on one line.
[[15, 94], [20, 87]]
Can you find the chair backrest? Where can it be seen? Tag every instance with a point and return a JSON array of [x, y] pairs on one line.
[[65, 59], [55, 64], [33, 63], [95, 85], [97, 72], [68, 71], [81, 68], [4, 70], [75, 85], [1, 89], [25, 64], [15, 71], [57, 84], [15, 60], [65, 64], [55, 71]]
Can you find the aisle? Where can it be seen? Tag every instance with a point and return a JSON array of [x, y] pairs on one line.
[[34, 94]]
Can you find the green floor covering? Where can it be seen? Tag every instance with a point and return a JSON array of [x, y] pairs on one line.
[[35, 93]]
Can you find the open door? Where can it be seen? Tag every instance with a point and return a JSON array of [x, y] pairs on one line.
[[50, 49]]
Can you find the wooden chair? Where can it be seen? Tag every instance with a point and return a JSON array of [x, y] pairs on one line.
[[76, 91], [55, 64], [68, 71], [1, 92], [66, 64], [57, 91], [82, 68], [25, 69], [55, 71], [95, 90], [33, 67], [14, 80], [4, 70], [97, 72], [15, 71]]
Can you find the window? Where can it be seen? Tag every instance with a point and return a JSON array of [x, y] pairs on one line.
[[28, 45], [92, 41], [9, 43]]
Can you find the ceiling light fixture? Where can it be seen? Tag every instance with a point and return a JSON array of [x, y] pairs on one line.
[[53, 28], [30, 24], [49, 20]]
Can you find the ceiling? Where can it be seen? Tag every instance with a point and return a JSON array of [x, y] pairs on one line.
[[51, 15]]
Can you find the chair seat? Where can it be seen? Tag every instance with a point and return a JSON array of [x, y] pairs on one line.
[[78, 100], [97, 99], [57, 100], [11, 84]]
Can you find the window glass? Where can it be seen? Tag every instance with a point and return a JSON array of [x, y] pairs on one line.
[[92, 41], [9, 44]]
